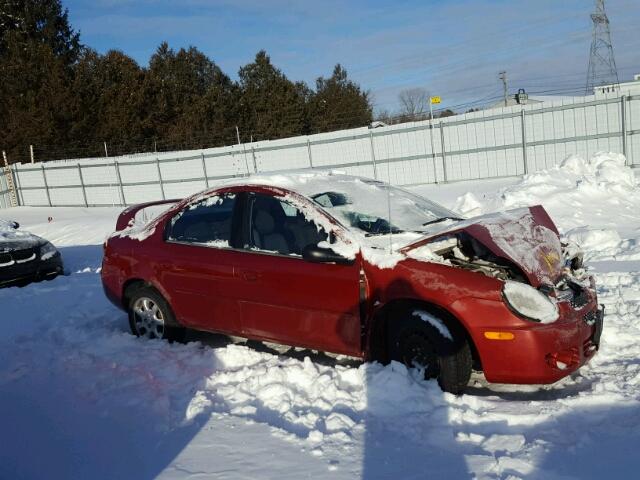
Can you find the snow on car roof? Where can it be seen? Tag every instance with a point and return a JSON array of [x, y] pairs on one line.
[[305, 182]]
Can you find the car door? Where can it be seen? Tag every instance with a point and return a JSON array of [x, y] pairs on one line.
[[197, 269], [285, 298]]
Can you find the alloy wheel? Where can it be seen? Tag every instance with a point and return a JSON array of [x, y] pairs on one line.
[[148, 318]]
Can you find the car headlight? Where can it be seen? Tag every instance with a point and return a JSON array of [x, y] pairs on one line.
[[529, 302], [47, 251]]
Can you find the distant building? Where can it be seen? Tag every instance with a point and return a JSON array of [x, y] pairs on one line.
[[622, 88], [531, 99]]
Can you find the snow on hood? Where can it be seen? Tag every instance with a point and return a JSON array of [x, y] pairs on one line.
[[526, 236], [13, 239]]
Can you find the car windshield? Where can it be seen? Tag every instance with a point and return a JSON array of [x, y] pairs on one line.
[[377, 208]]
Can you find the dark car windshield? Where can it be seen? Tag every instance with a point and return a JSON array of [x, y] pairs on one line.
[[377, 208]]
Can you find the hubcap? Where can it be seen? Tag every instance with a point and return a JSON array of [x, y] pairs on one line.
[[148, 318]]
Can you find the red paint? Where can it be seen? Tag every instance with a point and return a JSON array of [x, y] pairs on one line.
[[289, 300]]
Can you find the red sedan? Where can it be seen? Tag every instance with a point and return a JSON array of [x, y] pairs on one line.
[[356, 267]]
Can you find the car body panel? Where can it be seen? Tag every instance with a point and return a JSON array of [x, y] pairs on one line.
[[305, 304]]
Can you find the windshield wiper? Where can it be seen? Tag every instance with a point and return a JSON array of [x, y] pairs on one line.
[[383, 232], [441, 219]]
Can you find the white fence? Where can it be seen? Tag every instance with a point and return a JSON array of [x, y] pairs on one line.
[[486, 144], [5, 201]]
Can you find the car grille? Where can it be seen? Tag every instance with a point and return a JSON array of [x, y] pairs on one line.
[[19, 256]]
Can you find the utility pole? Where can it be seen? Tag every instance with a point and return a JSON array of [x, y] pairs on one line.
[[602, 64], [503, 77]]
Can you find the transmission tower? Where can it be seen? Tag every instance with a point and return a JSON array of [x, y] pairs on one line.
[[602, 64]]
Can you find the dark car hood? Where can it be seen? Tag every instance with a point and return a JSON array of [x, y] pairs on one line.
[[12, 239], [526, 236]]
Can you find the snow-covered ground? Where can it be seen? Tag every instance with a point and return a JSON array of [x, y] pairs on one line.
[[82, 398]]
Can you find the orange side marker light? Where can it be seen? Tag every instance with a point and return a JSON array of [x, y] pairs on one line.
[[499, 335]]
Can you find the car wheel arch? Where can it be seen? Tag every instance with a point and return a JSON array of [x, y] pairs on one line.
[[133, 284], [383, 318]]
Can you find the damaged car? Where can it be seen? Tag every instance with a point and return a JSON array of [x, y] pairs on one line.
[[24, 257], [356, 267]]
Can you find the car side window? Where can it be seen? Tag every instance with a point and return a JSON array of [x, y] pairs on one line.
[[277, 226], [207, 222]]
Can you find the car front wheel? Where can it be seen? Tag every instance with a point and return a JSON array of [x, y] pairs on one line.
[[151, 317], [442, 353]]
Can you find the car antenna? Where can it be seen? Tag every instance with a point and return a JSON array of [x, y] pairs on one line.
[[389, 204]]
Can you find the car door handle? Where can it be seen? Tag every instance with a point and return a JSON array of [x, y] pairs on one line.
[[251, 276]]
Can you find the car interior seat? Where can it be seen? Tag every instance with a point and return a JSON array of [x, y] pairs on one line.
[[264, 235]]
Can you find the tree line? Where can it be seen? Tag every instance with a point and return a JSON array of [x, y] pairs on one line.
[[67, 100]]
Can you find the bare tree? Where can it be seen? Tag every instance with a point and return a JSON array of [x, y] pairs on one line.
[[414, 101]]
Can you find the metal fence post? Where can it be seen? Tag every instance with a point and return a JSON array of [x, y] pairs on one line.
[[84, 191], [160, 178], [524, 142], [17, 185], [124, 202], [373, 156], [253, 156], [204, 170], [444, 155], [309, 153], [623, 120], [46, 185]]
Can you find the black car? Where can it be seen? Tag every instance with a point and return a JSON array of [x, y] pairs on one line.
[[25, 257]]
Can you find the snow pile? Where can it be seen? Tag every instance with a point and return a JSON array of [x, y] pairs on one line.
[[468, 205], [593, 202]]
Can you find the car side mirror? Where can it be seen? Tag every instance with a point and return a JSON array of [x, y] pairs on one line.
[[315, 254], [14, 225]]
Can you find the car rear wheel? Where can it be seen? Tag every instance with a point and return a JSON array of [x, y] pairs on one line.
[[419, 344], [151, 317]]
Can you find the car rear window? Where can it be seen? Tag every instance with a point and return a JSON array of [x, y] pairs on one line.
[[207, 222]]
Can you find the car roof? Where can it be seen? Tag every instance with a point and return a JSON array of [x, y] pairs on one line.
[[304, 182]]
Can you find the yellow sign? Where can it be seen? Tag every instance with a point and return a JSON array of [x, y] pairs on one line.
[[435, 99]]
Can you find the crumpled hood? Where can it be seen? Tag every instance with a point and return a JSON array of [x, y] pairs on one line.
[[526, 236], [12, 239]]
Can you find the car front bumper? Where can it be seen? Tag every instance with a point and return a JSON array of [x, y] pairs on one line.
[[36, 270], [536, 353]]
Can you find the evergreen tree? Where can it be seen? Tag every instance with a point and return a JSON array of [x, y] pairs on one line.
[[42, 21], [271, 105], [187, 94], [37, 51], [339, 103]]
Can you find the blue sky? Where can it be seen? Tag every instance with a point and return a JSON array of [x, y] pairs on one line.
[[452, 48]]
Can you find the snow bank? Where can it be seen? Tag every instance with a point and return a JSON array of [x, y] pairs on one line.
[[593, 202]]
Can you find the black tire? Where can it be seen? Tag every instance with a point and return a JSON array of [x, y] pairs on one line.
[[145, 296], [418, 343]]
